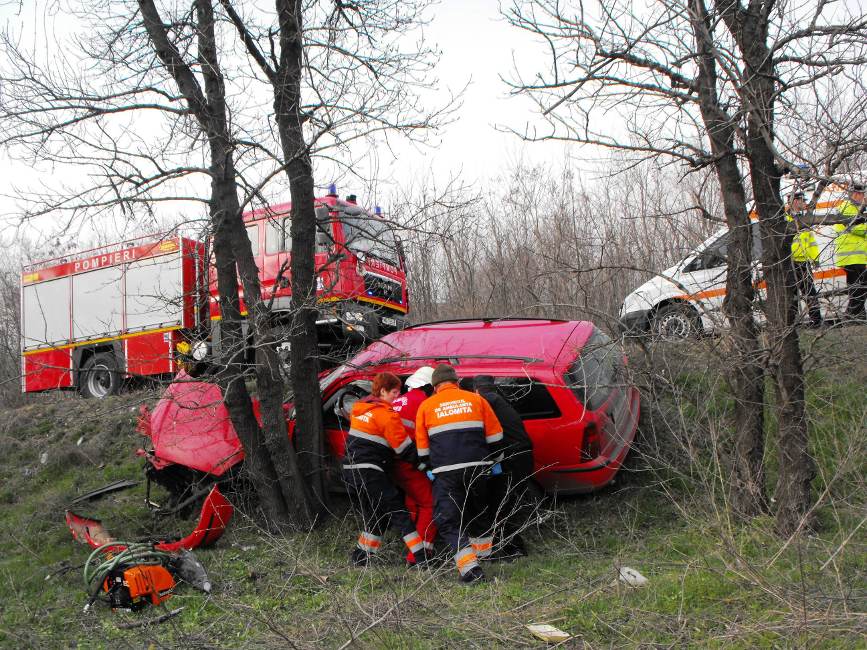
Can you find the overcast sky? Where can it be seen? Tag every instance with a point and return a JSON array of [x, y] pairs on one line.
[[477, 48]]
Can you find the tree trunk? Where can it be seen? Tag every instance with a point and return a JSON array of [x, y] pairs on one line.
[[289, 488], [257, 462], [747, 487], [304, 347], [797, 468], [269, 458]]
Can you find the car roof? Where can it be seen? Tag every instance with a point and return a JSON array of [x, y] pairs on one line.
[[477, 343]]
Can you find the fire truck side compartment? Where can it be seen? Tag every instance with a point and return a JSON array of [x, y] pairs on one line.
[[131, 302]]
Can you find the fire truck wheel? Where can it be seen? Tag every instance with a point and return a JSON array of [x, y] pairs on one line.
[[99, 377]]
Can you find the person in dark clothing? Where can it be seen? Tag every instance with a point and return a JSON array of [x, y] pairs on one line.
[[509, 489]]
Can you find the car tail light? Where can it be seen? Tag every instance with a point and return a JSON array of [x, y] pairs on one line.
[[591, 445]]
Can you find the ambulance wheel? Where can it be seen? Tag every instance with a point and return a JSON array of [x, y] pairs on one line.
[[675, 321], [99, 377]]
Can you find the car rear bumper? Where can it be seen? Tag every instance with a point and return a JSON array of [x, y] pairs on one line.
[[597, 473], [580, 479]]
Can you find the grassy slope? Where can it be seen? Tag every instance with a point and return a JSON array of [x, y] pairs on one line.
[[713, 582]]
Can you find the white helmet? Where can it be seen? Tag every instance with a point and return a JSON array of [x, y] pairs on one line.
[[420, 377]]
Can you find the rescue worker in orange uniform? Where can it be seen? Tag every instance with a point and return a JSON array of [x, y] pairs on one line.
[[458, 433], [376, 435], [409, 477]]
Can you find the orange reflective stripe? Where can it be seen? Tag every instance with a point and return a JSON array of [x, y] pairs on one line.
[[832, 273], [713, 293], [413, 542], [482, 545], [366, 540], [710, 293], [465, 558]]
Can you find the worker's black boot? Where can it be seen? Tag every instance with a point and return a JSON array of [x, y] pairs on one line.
[[473, 575], [424, 558], [359, 557], [517, 546]]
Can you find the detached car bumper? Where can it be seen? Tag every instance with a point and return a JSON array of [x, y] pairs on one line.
[[635, 323]]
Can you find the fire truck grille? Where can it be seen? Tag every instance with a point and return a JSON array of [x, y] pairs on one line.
[[377, 287]]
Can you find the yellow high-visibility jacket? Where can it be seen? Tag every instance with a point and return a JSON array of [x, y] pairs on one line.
[[804, 246], [851, 241]]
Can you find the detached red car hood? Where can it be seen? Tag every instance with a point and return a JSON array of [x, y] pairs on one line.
[[190, 426]]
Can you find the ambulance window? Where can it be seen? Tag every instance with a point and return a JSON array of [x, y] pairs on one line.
[[277, 237], [717, 253], [529, 397], [253, 234]]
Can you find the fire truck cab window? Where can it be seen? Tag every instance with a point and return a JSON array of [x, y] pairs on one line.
[[370, 235], [277, 238], [253, 234], [324, 236]]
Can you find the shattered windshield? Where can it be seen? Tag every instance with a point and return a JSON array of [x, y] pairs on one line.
[[330, 378]]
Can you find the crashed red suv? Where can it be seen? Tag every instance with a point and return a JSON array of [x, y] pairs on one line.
[[566, 379]]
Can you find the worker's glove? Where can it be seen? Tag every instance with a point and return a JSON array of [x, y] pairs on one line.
[[422, 465], [496, 469], [430, 476]]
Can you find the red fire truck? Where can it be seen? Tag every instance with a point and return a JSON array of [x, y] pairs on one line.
[[90, 320]]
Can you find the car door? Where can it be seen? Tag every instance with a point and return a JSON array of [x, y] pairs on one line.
[[337, 410], [704, 278]]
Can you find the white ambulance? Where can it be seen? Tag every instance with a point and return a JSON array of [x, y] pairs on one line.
[[686, 299]]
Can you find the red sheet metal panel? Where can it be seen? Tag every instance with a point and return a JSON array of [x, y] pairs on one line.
[[48, 369], [149, 354], [190, 426]]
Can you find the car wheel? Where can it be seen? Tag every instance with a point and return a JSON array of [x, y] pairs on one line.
[[675, 322], [99, 377]]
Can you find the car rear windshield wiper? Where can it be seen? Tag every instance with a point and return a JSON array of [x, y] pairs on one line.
[[449, 358]]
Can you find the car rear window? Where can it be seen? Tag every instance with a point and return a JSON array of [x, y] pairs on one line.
[[529, 397], [597, 371]]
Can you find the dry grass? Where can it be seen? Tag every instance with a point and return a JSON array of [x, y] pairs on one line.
[[713, 581]]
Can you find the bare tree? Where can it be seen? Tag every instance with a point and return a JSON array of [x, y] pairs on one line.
[[550, 244], [701, 84], [273, 463], [361, 85], [77, 117], [335, 77]]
